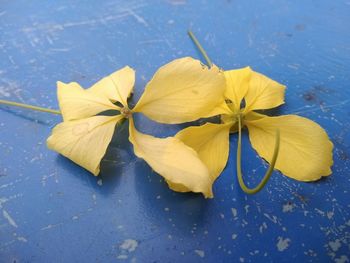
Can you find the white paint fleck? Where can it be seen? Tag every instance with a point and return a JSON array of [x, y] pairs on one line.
[[22, 239], [293, 66], [246, 208], [335, 245], [262, 227], [234, 212], [244, 223], [7, 216], [282, 244], [46, 177], [50, 226], [320, 211], [122, 257], [234, 236], [99, 182], [3, 200], [342, 259], [200, 253], [59, 49], [271, 218], [222, 216], [36, 158], [4, 92], [288, 207], [330, 214], [129, 244], [310, 253], [138, 18]]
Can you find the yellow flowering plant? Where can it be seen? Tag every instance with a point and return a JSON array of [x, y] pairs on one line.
[[181, 91], [303, 148]]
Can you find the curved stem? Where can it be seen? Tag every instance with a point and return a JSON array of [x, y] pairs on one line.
[[268, 172], [27, 106], [200, 48]]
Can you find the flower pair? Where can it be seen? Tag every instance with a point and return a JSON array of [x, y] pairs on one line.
[[183, 90]]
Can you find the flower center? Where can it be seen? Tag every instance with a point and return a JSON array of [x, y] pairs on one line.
[[238, 114], [126, 112]]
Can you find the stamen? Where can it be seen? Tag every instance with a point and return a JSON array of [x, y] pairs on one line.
[[126, 112]]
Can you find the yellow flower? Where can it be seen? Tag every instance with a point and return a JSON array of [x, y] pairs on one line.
[[181, 91], [305, 152]]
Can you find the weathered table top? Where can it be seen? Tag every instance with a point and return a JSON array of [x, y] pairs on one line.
[[54, 211]]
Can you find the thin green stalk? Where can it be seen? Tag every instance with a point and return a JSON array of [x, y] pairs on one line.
[[27, 106], [268, 172], [200, 48]]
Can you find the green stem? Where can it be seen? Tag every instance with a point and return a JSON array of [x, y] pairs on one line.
[[26, 106], [200, 48], [268, 172]]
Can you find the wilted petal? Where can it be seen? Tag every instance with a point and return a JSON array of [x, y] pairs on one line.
[[305, 149], [181, 91], [172, 159], [84, 141]]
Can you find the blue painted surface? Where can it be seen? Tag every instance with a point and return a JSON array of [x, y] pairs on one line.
[[54, 211]]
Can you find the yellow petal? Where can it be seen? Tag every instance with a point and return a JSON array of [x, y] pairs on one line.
[[172, 159], [117, 86], [211, 142], [77, 103], [237, 84], [181, 91], [305, 149], [263, 93], [221, 109], [84, 141]]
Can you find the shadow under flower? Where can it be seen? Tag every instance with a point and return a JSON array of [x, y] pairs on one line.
[[113, 165], [37, 117], [166, 208]]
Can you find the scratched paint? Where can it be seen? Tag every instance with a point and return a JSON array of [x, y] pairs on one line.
[[51, 208], [8, 217]]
